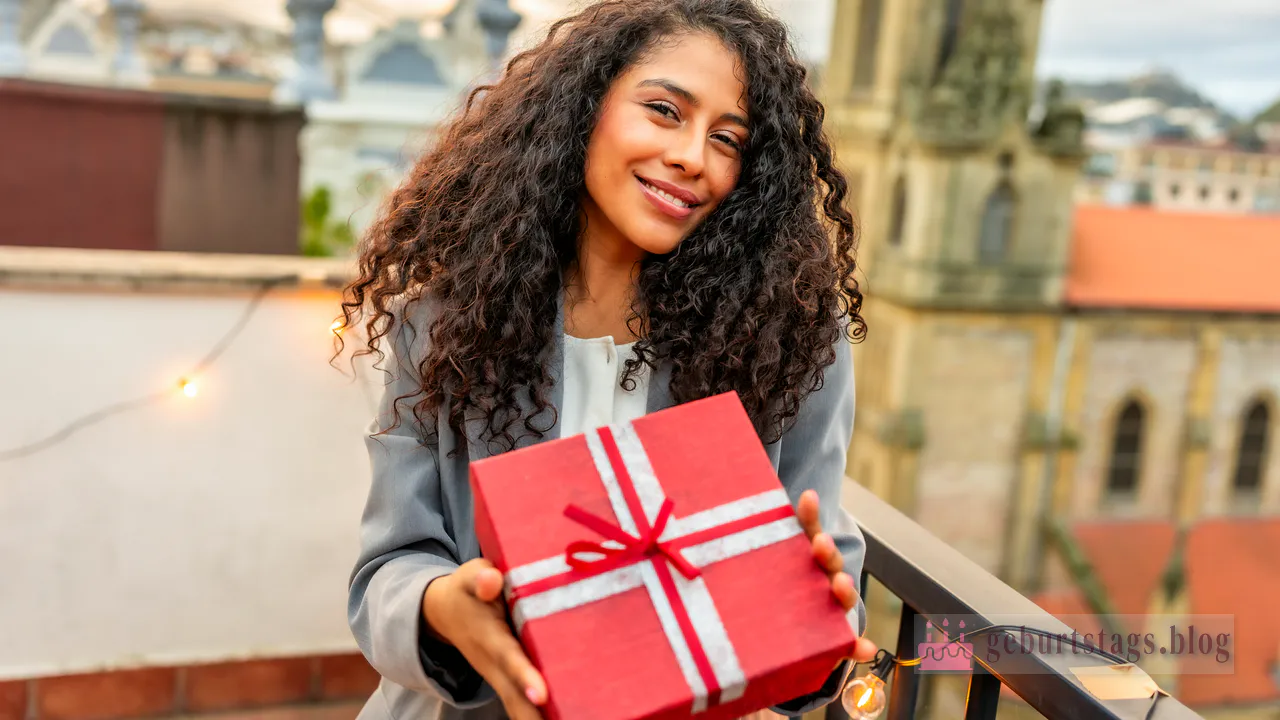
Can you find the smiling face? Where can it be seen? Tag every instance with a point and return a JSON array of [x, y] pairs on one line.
[[667, 147]]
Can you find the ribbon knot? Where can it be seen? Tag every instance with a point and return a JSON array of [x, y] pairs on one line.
[[630, 549]]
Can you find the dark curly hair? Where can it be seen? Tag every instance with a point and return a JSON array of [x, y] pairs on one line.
[[753, 300]]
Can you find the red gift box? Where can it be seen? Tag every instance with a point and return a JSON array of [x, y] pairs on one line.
[[656, 569]]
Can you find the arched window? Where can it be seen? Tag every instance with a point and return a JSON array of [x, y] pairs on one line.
[[950, 35], [864, 62], [1126, 450], [997, 225], [898, 212], [1251, 453]]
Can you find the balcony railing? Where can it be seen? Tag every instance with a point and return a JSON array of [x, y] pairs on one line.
[[934, 580]]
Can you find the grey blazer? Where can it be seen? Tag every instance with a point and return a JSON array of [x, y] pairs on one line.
[[417, 526]]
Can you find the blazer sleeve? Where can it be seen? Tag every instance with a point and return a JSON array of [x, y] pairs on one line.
[[812, 456], [404, 545]]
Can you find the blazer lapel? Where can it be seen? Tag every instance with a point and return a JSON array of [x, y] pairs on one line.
[[658, 396]]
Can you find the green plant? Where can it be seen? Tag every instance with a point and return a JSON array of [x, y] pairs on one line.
[[321, 236]]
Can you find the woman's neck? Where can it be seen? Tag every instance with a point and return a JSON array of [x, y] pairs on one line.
[[600, 286]]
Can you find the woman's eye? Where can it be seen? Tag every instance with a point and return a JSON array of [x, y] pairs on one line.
[[662, 108], [729, 140]]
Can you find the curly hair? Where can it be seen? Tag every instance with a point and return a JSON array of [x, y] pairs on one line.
[[753, 300]]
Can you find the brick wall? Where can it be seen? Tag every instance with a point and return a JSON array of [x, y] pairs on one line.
[[81, 166], [1156, 370], [130, 170], [973, 389], [189, 689], [1250, 370]]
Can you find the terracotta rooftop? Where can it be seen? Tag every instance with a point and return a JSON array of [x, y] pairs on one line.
[[1140, 258], [1231, 569], [1128, 558]]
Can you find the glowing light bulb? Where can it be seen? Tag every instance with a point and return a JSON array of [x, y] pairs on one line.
[[337, 327], [189, 388], [864, 698]]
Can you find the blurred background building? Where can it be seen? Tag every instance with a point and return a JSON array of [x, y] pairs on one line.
[[1081, 397], [1071, 374], [243, 120]]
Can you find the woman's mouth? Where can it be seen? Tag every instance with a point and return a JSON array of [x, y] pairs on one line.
[[664, 201]]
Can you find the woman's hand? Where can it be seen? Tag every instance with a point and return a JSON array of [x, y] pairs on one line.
[[830, 560], [465, 608]]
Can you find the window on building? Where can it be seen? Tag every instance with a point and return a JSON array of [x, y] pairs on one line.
[[1251, 452], [898, 212], [1206, 163], [950, 36], [1142, 193], [997, 224], [1175, 190], [864, 68], [1126, 450], [1233, 196], [1204, 192]]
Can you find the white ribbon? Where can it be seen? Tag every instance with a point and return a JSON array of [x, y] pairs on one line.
[[694, 595]]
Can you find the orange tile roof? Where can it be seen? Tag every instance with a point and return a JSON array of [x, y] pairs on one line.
[[1130, 576], [1233, 569], [1127, 257]]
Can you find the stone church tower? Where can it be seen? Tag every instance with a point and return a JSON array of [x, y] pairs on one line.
[[964, 204]]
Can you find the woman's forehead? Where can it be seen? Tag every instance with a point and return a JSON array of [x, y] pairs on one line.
[[699, 64]]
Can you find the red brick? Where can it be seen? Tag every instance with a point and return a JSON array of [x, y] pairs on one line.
[[251, 683], [346, 677], [13, 700], [106, 695]]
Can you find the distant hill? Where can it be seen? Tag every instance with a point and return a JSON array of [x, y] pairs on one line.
[[1158, 85], [1270, 115]]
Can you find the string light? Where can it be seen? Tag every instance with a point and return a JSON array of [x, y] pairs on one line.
[[187, 385], [864, 697], [337, 327]]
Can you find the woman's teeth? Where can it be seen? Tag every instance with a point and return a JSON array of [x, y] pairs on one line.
[[666, 196]]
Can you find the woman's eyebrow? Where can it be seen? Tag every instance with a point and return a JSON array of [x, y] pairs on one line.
[[688, 97]]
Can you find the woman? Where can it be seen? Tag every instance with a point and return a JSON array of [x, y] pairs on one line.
[[641, 212]]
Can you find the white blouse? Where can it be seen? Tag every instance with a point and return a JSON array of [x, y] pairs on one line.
[[593, 392]]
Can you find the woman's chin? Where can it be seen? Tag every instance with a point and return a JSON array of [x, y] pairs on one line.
[[656, 243]]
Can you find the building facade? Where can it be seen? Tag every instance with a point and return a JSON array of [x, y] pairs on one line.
[[1184, 177], [1032, 365], [371, 104]]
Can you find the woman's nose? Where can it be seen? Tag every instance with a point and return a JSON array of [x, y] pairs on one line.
[[686, 152]]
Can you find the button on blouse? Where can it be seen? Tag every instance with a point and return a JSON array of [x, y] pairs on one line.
[[593, 392]]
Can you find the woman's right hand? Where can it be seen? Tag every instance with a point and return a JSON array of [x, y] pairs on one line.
[[465, 609]]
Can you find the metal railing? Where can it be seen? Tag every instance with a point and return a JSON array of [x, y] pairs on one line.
[[935, 580]]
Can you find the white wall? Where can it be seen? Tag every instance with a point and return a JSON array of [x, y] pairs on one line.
[[217, 527]]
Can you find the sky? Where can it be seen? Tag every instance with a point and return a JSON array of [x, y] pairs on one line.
[[1227, 49]]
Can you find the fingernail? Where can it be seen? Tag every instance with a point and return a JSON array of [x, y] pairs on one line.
[[533, 696]]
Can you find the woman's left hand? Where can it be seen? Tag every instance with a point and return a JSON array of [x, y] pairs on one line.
[[830, 560]]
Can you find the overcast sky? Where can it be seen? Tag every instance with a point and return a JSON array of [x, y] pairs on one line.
[[1228, 49]]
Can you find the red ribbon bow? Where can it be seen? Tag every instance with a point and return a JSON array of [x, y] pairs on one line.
[[634, 549]]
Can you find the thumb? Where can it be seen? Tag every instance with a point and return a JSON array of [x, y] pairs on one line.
[[487, 584]]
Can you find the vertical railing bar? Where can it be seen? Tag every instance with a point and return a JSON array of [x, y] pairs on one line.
[[905, 690], [862, 586], [983, 698]]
